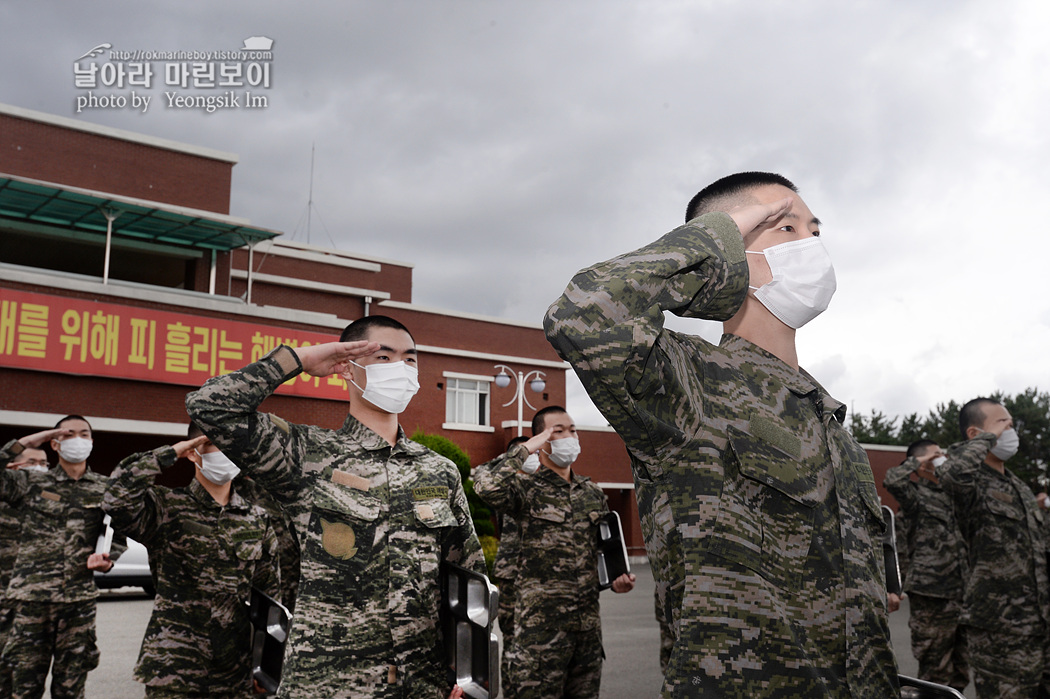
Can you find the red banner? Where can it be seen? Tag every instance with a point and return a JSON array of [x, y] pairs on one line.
[[72, 336]]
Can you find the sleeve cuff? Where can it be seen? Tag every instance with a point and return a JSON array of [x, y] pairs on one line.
[[287, 360]]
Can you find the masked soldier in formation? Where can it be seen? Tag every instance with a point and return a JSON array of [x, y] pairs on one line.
[[938, 570], [1006, 603], [505, 573], [32, 460], [209, 544], [52, 585], [762, 523], [375, 514], [556, 649]]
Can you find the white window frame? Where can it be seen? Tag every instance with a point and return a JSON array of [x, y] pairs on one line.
[[483, 382]]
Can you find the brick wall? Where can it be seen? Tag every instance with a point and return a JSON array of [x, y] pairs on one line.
[[52, 153]]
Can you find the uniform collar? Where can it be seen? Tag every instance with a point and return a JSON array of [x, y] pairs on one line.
[[61, 475], [799, 382], [574, 478], [371, 441], [201, 494]]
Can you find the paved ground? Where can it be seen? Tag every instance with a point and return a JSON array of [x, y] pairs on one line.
[[632, 641]]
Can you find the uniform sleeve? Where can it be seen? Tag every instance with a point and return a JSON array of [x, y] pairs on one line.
[[131, 499], [265, 446], [13, 483], [609, 326], [461, 545], [267, 575], [965, 459], [497, 482], [898, 482]]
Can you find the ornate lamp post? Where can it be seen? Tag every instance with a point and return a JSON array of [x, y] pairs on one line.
[[537, 384]]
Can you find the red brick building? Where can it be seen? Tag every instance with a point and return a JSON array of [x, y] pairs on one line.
[[125, 283]]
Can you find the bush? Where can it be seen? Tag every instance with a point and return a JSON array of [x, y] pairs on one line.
[[489, 545], [479, 511]]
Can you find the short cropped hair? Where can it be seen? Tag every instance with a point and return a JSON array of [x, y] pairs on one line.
[[540, 418], [920, 445], [972, 414], [194, 431], [727, 191], [67, 418], [358, 330]]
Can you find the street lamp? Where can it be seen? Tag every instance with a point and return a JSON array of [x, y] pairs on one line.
[[537, 384]]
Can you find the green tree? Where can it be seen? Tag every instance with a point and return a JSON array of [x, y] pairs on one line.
[[877, 429], [1031, 413]]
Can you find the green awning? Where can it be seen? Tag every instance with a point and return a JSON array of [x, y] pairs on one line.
[[78, 210]]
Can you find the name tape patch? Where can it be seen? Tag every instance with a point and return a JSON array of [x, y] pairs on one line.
[[430, 493]]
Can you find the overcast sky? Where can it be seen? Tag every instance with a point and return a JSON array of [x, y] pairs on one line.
[[501, 146]]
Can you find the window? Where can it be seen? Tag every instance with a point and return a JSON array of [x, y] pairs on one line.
[[467, 400]]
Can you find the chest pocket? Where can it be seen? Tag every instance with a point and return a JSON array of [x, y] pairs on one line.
[[765, 518], [1005, 505], [546, 508], [343, 523]]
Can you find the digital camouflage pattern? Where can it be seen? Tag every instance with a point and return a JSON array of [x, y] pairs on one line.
[[504, 574], [762, 523], [205, 558], [1002, 525], [936, 551], [51, 587], [42, 629], [556, 647], [936, 575], [373, 522], [10, 531], [1006, 602]]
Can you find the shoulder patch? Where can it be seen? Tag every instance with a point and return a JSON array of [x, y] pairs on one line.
[[430, 493], [768, 431]]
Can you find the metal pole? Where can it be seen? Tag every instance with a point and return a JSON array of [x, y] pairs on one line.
[[521, 398], [110, 218]]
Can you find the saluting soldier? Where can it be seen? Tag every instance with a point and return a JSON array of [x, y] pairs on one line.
[[375, 514], [759, 509], [209, 544], [52, 585]]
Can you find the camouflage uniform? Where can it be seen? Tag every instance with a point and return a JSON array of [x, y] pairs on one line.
[[505, 572], [374, 522], [936, 576], [9, 534], [1006, 602], [556, 650], [51, 587], [205, 558], [762, 523]]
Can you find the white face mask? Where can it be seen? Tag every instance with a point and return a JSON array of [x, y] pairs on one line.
[[564, 451], [217, 467], [939, 461], [75, 450], [531, 464], [1007, 445], [389, 386], [803, 281], [38, 469]]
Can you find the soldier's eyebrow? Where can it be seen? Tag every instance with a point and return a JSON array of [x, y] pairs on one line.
[[793, 216], [385, 348]]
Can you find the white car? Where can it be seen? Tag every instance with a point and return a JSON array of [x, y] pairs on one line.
[[130, 570]]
